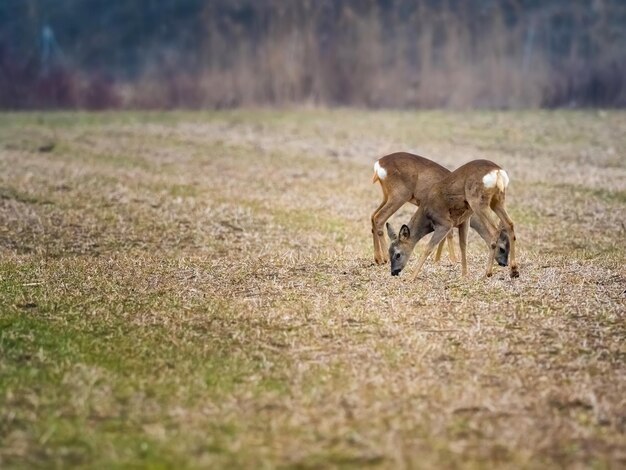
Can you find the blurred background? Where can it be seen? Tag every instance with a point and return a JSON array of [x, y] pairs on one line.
[[159, 54]]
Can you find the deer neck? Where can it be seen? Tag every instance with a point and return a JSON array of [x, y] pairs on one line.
[[419, 225]]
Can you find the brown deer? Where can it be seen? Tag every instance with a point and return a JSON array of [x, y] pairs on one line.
[[405, 177], [474, 190]]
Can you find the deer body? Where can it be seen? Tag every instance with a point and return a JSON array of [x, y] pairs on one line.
[[405, 177], [476, 189]]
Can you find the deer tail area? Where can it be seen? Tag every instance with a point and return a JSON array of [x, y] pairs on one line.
[[503, 180], [496, 178], [379, 173]]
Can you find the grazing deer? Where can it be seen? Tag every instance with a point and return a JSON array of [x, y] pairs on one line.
[[472, 190], [405, 177]]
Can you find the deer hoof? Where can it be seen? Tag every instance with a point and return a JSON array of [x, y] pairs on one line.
[[514, 272]]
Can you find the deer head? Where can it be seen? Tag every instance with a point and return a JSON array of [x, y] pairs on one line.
[[502, 249], [400, 248]]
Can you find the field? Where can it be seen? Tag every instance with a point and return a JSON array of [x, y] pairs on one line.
[[197, 290]]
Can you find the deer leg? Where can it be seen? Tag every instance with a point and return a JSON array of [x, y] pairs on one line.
[[440, 233], [450, 240], [451, 253], [439, 250], [378, 259], [463, 232], [378, 223], [488, 232], [508, 225]]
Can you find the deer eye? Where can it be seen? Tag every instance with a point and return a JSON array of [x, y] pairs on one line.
[[396, 256]]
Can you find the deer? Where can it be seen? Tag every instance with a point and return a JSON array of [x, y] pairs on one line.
[[476, 189], [405, 177]]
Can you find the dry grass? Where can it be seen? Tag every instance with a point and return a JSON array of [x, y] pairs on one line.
[[197, 290]]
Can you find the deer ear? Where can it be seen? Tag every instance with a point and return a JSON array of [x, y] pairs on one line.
[[391, 232], [405, 233]]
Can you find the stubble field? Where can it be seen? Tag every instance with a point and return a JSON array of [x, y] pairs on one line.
[[197, 290]]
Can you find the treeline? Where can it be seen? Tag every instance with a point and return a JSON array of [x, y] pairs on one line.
[[371, 53]]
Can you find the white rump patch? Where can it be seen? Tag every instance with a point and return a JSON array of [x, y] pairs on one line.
[[380, 171], [490, 179], [497, 178]]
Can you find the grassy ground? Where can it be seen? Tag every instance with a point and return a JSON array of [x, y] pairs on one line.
[[197, 290]]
